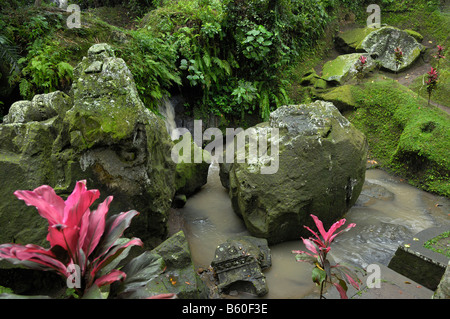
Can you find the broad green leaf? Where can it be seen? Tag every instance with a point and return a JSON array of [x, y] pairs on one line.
[[318, 275]]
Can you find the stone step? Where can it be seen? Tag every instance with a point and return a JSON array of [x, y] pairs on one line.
[[392, 286]]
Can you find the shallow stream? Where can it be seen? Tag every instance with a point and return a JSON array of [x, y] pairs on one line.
[[387, 212]]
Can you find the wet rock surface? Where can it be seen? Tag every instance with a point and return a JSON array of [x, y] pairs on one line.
[[321, 169], [238, 264]]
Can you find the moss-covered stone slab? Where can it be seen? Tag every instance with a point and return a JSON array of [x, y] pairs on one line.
[[343, 68], [350, 41]]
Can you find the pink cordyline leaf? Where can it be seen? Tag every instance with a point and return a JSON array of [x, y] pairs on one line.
[[105, 259], [32, 256], [114, 228], [78, 202], [362, 59], [93, 226], [329, 235], [310, 246], [352, 281], [341, 290], [64, 217], [111, 277], [49, 205]]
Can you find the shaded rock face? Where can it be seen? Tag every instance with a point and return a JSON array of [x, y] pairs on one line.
[[443, 289], [174, 269], [321, 171], [103, 133], [238, 264], [191, 176]]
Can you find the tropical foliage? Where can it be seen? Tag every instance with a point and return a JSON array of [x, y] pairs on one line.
[[85, 246], [324, 272]]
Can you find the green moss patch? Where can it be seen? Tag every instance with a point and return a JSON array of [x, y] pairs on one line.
[[404, 133], [439, 244]]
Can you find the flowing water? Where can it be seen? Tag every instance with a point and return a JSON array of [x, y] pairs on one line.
[[388, 211]]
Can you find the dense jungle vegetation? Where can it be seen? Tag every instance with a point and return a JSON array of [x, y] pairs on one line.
[[235, 61]]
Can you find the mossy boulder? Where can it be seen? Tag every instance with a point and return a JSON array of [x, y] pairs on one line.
[[101, 133], [321, 158], [381, 43], [350, 41], [191, 176], [340, 96], [343, 68], [416, 35]]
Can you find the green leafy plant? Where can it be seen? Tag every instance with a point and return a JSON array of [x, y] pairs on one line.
[[324, 272], [45, 69], [257, 43]]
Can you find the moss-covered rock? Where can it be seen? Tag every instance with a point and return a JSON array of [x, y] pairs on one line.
[[405, 134], [382, 42], [107, 137], [321, 170], [350, 40], [191, 176], [172, 271], [343, 68], [340, 96]]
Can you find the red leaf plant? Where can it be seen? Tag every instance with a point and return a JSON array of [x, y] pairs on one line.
[[319, 247], [432, 79], [360, 67], [77, 236], [439, 55]]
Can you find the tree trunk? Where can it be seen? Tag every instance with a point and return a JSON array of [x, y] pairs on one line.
[[37, 3]]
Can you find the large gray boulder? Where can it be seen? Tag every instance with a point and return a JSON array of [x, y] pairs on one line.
[[322, 159], [102, 133], [381, 43]]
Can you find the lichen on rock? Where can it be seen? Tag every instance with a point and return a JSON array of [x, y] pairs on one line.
[[102, 133]]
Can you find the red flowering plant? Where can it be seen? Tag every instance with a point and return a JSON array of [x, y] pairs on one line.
[[323, 272], [398, 57], [360, 67], [439, 55], [432, 79], [85, 246]]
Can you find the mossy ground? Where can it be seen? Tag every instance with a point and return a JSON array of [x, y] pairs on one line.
[[405, 134]]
